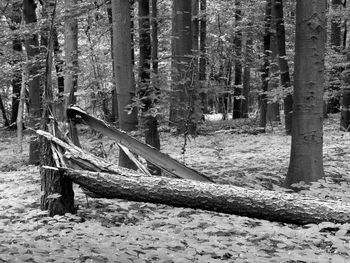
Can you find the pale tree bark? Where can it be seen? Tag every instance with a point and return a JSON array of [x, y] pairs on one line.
[[182, 103], [306, 159], [3, 111], [35, 92], [71, 62], [123, 71], [146, 90], [277, 5]]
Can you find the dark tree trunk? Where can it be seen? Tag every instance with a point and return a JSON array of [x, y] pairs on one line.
[[265, 68], [268, 205], [114, 114], [203, 57], [146, 91], [154, 39], [283, 62], [306, 158], [345, 102], [246, 75], [124, 71], [237, 42], [3, 111], [182, 104], [35, 92]]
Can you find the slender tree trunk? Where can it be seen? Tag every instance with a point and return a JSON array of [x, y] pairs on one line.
[[114, 115], [3, 111], [146, 90], [237, 42], [345, 102], [124, 71], [71, 60], [154, 39], [203, 57], [306, 160], [265, 68], [35, 92], [246, 75], [182, 104], [283, 62], [17, 48]]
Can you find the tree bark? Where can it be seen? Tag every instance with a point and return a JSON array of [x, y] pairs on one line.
[[306, 160], [246, 74], [35, 92], [283, 63], [237, 42], [124, 71], [3, 111], [147, 91], [265, 67], [268, 205], [202, 56], [182, 103], [345, 102]]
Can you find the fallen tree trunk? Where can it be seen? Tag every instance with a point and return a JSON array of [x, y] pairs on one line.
[[151, 154], [269, 205]]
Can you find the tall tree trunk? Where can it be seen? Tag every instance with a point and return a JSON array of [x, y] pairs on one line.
[[154, 39], [35, 92], [246, 74], [71, 60], [114, 115], [182, 104], [283, 62], [3, 111], [16, 81], [237, 42], [124, 71], [203, 57], [333, 103], [345, 102], [52, 182], [265, 67], [306, 160], [147, 91]]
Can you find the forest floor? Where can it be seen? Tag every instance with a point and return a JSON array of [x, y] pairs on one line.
[[123, 231]]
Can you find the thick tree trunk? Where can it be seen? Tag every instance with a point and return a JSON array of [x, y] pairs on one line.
[[35, 92], [124, 71], [146, 91], [182, 103], [283, 62], [269, 205], [237, 42], [306, 160]]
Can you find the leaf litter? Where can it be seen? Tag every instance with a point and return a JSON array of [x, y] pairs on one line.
[[122, 231]]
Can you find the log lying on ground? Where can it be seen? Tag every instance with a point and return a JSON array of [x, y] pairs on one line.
[[269, 205], [151, 154]]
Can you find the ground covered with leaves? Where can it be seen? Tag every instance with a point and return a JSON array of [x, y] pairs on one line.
[[123, 231]]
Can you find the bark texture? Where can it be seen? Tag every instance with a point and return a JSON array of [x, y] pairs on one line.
[[269, 205], [123, 71], [35, 92], [306, 160], [345, 103]]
